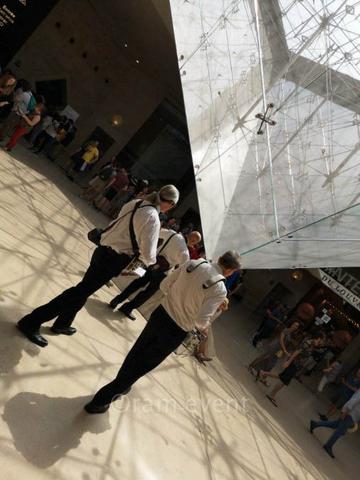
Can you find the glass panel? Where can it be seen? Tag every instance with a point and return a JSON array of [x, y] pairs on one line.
[[256, 188]]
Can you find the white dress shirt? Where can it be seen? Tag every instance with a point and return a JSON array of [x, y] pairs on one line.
[[146, 228], [51, 129], [176, 251], [353, 407], [21, 101], [186, 301]]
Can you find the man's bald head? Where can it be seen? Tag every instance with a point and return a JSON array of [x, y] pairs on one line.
[[193, 239]]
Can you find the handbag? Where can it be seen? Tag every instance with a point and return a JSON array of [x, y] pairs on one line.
[[161, 262], [95, 235]]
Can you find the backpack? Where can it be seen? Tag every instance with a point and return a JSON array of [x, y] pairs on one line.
[[32, 103], [105, 172]]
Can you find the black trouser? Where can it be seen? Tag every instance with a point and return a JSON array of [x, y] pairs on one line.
[[265, 330], [341, 426], [46, 144], [160, 337], [105, 264], [152, 279], [40, 139]]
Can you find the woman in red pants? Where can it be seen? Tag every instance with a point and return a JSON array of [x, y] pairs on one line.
[[27, 122]]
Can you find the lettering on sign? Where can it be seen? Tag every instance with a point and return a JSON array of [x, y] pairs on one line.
[[18, 20], [340, 288]]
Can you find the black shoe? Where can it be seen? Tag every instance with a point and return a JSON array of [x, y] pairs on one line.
[[93, 408], [114, 303], [323, 417], [329, 451], [63, 330], [125, 310], [312, 426], [33, 336]]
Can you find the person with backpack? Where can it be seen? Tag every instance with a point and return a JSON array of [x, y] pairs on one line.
[[100, 182], [192, 294], [118, 184], [291, 367], [132, 236], [172, 252]]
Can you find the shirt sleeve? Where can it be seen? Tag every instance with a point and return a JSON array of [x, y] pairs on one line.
[[148, 238], [209, 307], [183, 255], [352, 402], [169, 280]]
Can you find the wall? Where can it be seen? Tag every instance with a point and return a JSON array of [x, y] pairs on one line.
[[48, 54], [259, 283]]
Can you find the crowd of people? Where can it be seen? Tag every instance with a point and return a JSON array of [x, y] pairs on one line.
[[298, 349], [25, 113]]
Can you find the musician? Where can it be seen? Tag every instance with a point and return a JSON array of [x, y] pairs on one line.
[[136, 230], [172, 252], [193, 293]]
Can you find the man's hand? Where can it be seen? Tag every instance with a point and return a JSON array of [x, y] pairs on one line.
[[203, 330]]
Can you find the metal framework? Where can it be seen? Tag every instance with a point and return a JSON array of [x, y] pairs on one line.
[[258, 192]]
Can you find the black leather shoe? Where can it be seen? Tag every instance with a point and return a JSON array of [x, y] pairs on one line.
[[125, 310], [93, 408], [63, 331], [323, 417], [328, 451], [114, 303], [312, 426], [33, 336]]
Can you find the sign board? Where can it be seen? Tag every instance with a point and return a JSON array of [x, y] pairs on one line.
[[18, 20], [70, 113], [339, 288]]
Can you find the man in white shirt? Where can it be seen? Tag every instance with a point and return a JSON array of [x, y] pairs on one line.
[[135, 231], [193, 293], [172, 252]]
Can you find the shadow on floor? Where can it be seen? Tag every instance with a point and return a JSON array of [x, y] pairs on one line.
[[44, 429], [13, 343], [55, 174], [115, 321]]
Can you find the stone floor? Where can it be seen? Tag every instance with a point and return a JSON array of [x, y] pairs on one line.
[[181, 421]]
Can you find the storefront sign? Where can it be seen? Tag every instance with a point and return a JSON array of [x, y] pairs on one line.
[[18, 20], [331, 277]]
